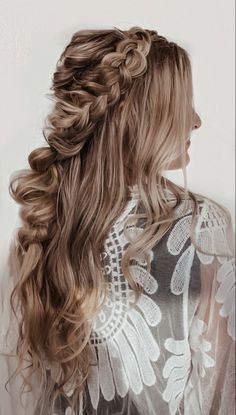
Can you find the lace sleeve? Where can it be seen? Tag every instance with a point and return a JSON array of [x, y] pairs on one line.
[[210, 389]]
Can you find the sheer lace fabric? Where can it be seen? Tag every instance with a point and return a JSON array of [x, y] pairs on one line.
[[174, 352]]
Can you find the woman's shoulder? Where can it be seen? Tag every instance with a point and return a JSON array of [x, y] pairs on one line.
[[208, 210], [208, 216], [214, 230], [212, 214], [207, 221]]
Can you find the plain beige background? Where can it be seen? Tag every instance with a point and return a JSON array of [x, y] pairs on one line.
[[33, 34]]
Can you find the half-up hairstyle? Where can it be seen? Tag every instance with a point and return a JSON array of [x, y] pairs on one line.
[[123, 108]]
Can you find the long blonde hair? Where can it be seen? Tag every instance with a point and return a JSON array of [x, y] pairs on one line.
[[122, 112]]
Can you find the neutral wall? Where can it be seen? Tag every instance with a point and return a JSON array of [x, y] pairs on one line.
[[33, 34]]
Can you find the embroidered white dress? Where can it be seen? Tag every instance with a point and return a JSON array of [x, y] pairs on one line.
[[174, 352]]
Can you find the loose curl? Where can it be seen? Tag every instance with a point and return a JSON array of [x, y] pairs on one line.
[[123, 109]]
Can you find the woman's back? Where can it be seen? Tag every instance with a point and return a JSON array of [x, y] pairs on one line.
[[171, 353]]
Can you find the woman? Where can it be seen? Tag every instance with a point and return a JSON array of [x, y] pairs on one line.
[[123, 280]]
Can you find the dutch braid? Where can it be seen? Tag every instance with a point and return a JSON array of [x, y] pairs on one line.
[[86, 84]]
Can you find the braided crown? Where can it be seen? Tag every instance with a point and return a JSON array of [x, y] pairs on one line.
[[93, 81], [117, 68], [130, 56]]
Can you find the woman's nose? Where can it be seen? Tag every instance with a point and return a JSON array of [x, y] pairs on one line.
[[197, 121]]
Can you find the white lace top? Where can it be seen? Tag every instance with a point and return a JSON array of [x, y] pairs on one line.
[[174, 352]]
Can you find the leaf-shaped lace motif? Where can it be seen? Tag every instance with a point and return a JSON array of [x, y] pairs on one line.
[[200, 347], [225, 294], [176, 370], [179, 235], [181, 275]]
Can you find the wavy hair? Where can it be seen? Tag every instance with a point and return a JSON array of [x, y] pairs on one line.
[[123, 110]]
